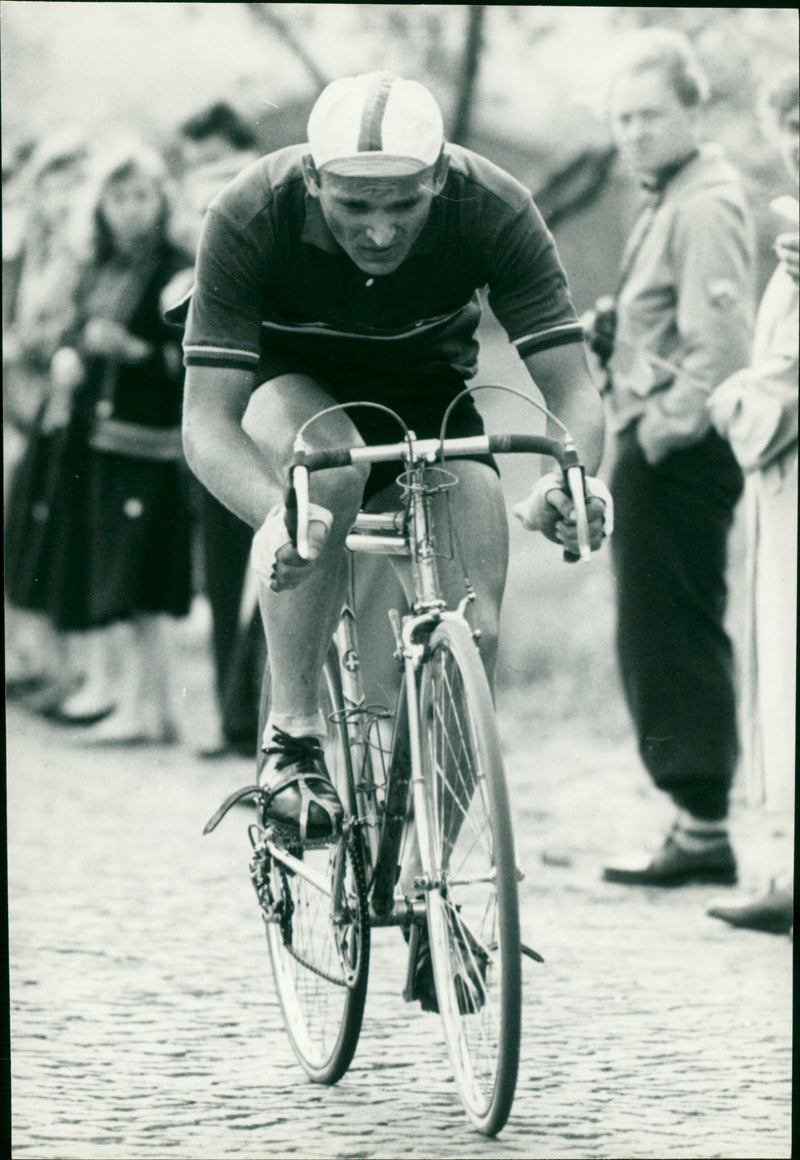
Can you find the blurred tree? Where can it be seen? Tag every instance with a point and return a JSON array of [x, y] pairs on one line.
[[473, 47], [266, 15], [414, 32]]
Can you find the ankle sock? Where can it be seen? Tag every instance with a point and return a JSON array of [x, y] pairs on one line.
[[312, 725], [697, 834]]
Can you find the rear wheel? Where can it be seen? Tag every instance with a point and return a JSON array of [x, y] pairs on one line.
[[317, 920], [472, 906]]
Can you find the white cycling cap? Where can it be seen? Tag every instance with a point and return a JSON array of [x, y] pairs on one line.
[[376, 124]]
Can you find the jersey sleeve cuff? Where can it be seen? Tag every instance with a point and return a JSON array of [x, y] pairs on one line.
[[544, 339], [218, 356]]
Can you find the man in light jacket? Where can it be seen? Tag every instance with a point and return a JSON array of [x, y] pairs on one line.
[[683, 314], [756, 410]]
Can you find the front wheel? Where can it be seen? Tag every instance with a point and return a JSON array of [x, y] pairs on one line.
[[472, 906]]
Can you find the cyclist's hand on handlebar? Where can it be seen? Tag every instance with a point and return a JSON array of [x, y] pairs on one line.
[[274, 557], [549, 509]]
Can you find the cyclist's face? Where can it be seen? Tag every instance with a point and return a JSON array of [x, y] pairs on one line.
[[651, 126], [132, 207], [376, 220]]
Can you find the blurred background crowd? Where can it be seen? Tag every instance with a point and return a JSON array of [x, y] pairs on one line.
[[120, 124]]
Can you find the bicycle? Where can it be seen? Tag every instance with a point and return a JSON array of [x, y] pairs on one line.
[[436, 795]]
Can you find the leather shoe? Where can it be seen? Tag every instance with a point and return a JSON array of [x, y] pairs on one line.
[[673, 865], [59, 717], [469, 976], [299, 797], [23, 686], [772, 912], [49, 696]]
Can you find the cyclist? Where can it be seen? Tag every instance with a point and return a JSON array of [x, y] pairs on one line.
[[349, 268]]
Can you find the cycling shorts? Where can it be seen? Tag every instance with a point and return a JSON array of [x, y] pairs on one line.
[[420, 397]]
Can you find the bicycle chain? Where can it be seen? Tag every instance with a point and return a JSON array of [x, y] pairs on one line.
[[284, 910]]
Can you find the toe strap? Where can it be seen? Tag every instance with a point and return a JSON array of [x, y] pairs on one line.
[[328, 802], [248, 791]]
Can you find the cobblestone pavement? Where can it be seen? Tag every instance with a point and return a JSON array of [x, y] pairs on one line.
[[144, 1022]]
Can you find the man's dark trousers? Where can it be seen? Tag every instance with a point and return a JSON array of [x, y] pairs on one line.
[[239, 650], [670, 548]]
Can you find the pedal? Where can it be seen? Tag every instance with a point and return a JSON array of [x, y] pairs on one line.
[[287, 837], [530, 953], [413, 944]]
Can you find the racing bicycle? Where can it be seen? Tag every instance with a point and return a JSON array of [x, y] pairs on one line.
[[422, 786]]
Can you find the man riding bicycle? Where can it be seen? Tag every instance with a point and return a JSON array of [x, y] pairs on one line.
[[345, 269]]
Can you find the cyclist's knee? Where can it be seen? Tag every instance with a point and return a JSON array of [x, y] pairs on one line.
[[340, 491], [278, 409]]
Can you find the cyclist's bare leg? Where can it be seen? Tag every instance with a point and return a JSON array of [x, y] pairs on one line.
[[480, 549], [299, 622]]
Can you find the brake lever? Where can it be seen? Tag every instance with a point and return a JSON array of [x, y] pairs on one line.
[[576, 481]]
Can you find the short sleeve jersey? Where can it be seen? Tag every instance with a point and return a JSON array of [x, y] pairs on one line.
[[269, 271]]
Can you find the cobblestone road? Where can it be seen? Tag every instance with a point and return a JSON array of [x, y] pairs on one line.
[[144, 1023]]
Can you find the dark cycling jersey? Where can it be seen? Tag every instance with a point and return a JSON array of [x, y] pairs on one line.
[[271, 277]]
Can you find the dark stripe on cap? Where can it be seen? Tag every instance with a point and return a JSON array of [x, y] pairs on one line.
[[370, 138]]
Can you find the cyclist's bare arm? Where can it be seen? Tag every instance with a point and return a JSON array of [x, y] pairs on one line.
[[562, 375], [219, 452], [247, 477]]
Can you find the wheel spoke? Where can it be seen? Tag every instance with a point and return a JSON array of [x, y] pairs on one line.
[[458, 795]]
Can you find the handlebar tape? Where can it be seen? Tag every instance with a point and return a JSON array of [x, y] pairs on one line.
[[290, 515], [533, 444], [319, 460]]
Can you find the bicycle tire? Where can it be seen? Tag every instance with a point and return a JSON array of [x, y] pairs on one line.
[[320, 962], [471, 901]]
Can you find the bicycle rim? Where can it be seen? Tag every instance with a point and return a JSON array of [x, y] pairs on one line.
[[472, 907], [318, 943]]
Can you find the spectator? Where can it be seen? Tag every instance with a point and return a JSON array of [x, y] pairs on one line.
[[117, 549], [39, 272], [683, 324], [756, 410], [216, 144]]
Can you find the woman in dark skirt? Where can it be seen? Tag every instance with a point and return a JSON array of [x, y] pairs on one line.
[[116, 553], [40, 265]]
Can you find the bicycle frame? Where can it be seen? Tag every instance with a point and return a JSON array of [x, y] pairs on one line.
[[413, 539], [411, 534]]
